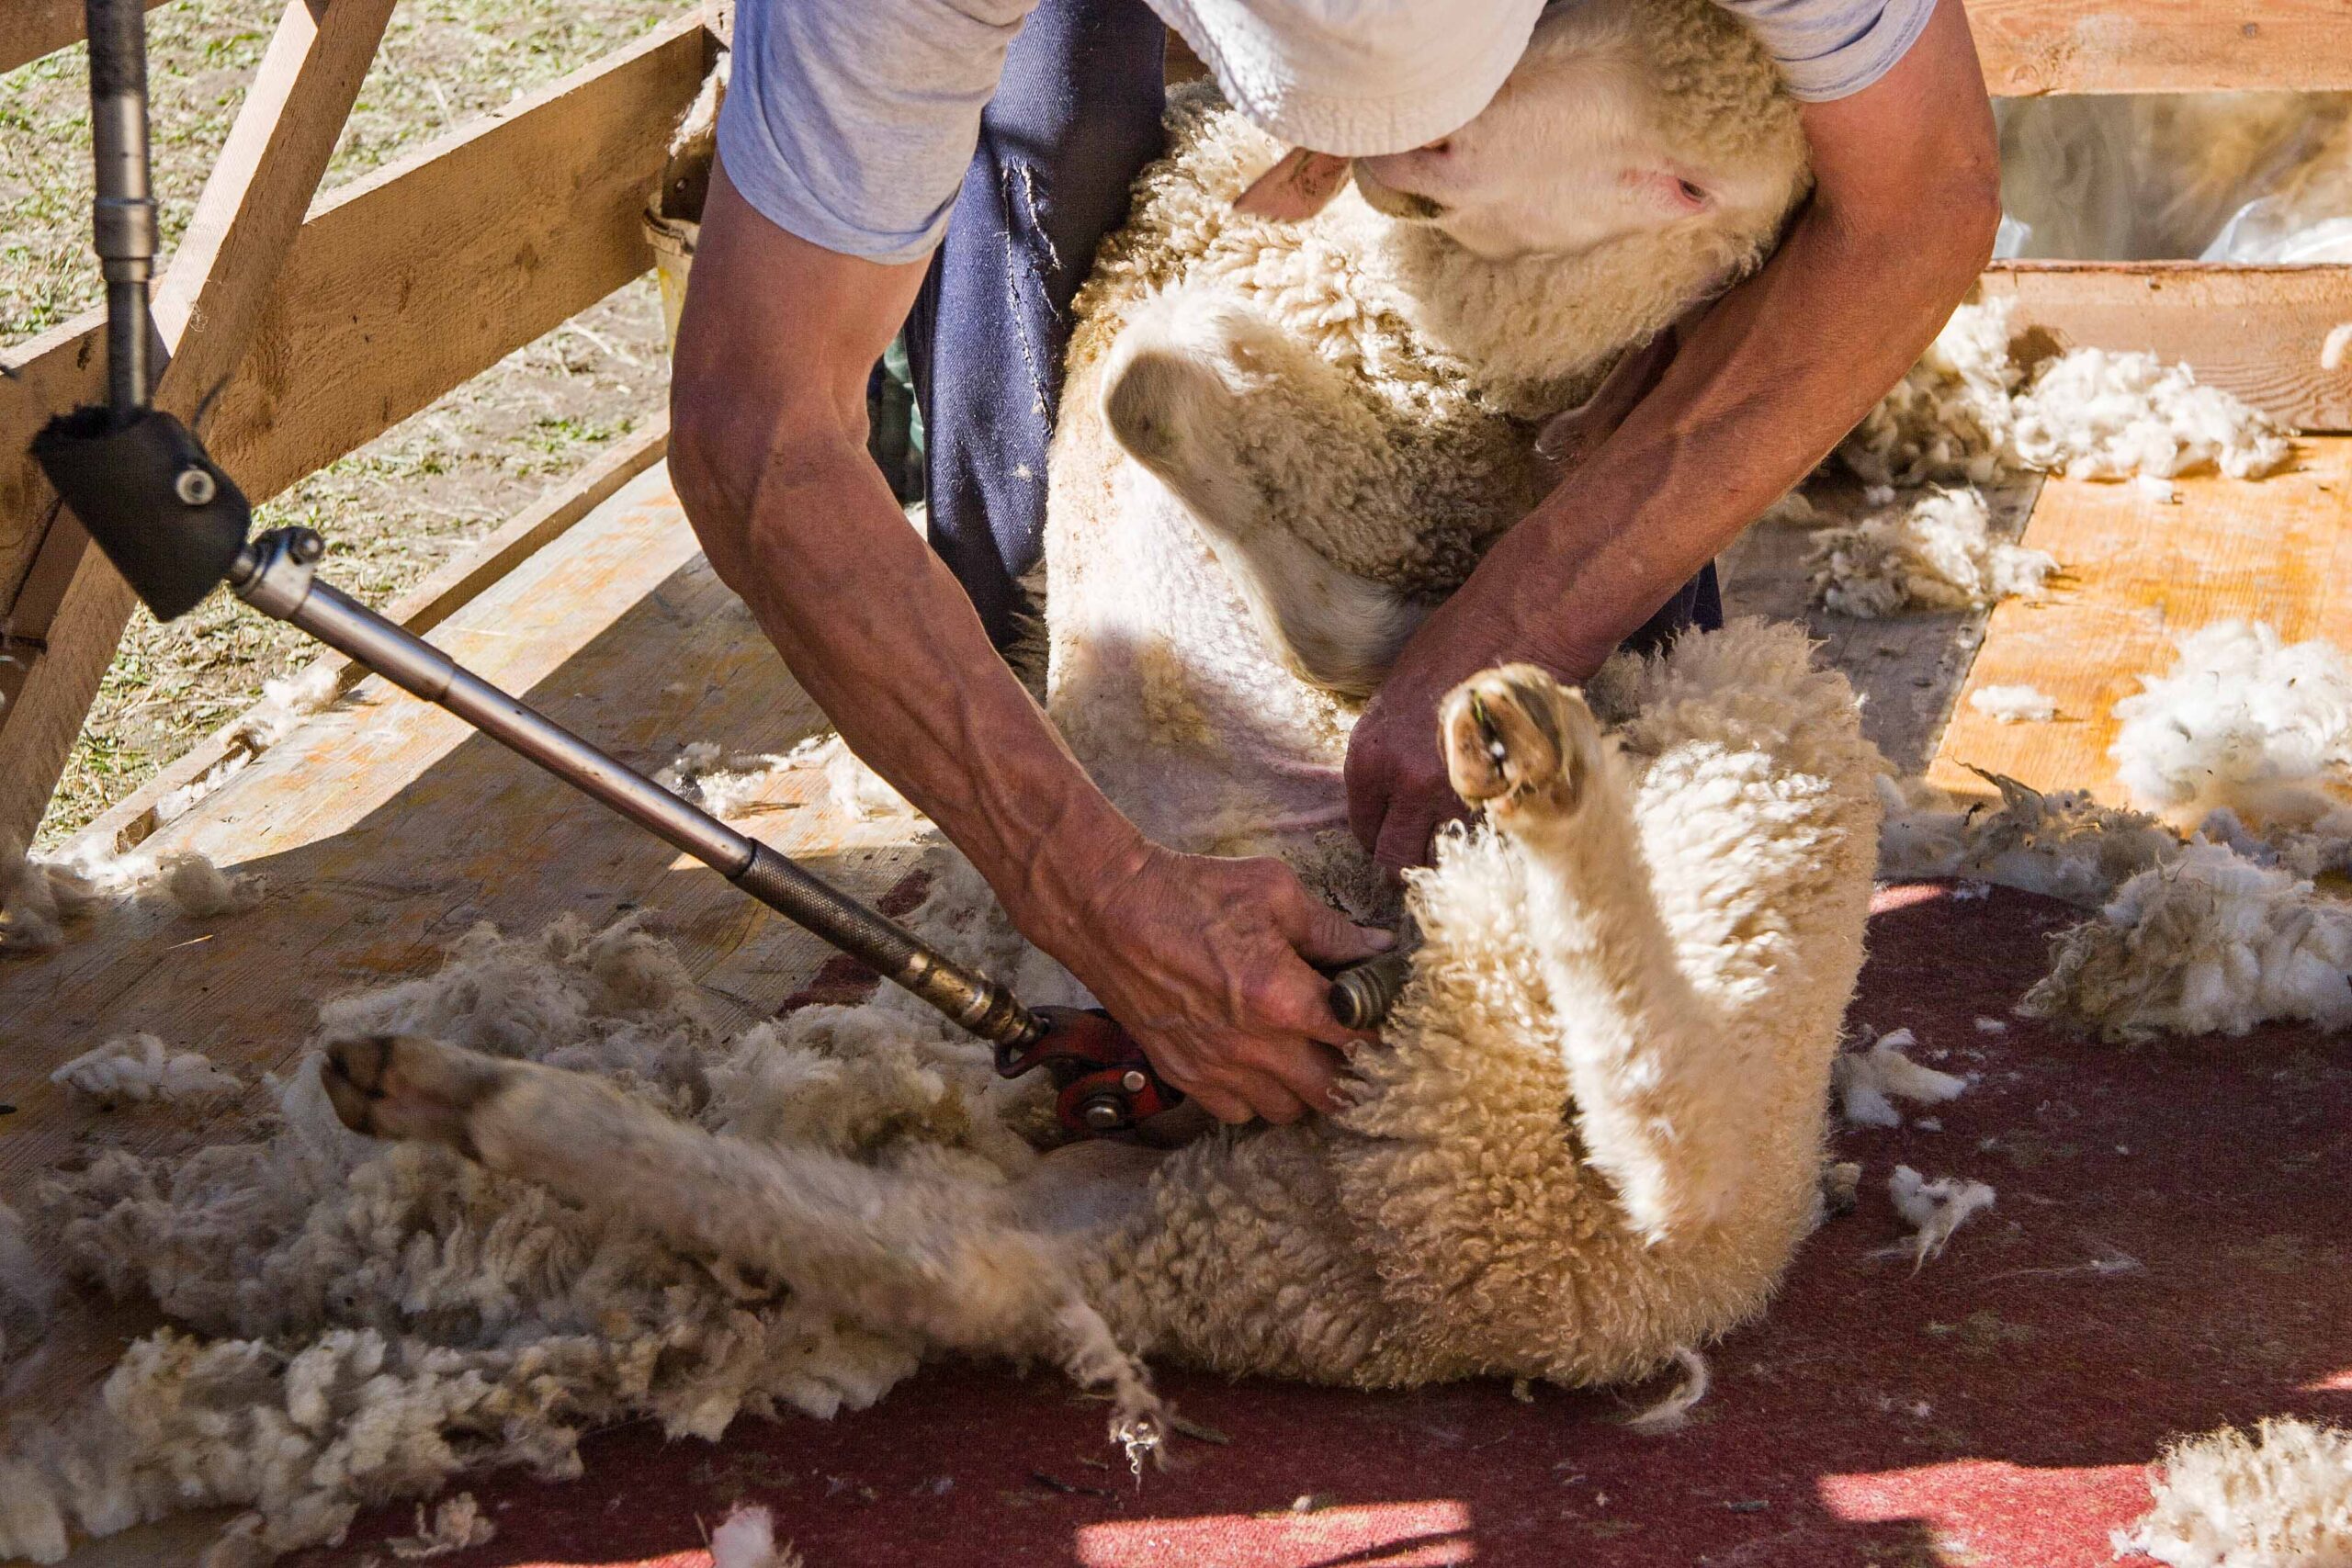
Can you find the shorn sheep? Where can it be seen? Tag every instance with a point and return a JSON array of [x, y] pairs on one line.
[[1279, 443], [1590, 1135]]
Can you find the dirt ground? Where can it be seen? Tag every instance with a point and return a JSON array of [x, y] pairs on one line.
[[396, 508]]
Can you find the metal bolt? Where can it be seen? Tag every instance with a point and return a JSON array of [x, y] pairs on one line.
[[195, 486], [1133, 1082], [1102, 1114], [306, 546]]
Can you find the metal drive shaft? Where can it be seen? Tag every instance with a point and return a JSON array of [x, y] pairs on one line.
[[275, 575]]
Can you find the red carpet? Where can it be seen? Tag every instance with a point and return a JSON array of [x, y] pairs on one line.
[[1995, 1410]]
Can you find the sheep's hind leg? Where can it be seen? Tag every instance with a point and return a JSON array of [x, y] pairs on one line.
[[1247, 429], [1654, 1071], [931, 1258]]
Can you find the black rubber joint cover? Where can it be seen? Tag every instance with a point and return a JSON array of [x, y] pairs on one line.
[[170, 520]]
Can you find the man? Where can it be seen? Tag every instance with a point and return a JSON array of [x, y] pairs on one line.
[[851, 124]]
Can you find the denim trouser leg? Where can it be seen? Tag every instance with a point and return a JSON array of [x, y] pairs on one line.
[[1077, 118]]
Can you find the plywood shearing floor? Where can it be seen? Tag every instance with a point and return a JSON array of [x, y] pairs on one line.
[[1994, 1410]]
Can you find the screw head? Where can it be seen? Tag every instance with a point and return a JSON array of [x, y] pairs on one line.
[[1133, 1082], [306, 546], [195, 486], [1102, 1114]]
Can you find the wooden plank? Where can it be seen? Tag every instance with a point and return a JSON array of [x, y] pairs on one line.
[[2137, 574], [403, 287], [388, 829], [2256, 332], [2033, 47], [132, 820], [31, 28], [205, 312]]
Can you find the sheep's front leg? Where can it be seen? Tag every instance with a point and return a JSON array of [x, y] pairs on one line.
[[1656, 1073], [1250, 430]]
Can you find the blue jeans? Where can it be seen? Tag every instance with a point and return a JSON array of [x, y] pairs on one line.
[[1075, 119]]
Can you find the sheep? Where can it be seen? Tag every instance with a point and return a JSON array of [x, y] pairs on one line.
[[1279, 443], [1589, 1135]]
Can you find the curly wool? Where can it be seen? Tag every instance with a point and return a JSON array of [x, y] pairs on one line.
[[358, 1320], [2209, 942], [2280, 1498]]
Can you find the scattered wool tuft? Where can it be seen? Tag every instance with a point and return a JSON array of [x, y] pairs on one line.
[[1992, 1026], [1935, 553], [1841, 1188], [27, 1290], [203, 890], [1949, 418], [2014, 704], [1868, 1083], [856, 791], [2063, 844], [1933, 1210], [456, 1526], [726, 785], [140, 1068], [285, 703], [2282, 1498], [746, 1539], [2243, 719], [354, 1322], [1965, 412], [42, 896], [721, 784], [1672, 1413], [2209, 943], [2093, 415]]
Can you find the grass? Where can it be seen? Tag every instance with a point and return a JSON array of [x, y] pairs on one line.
[[398, 508]]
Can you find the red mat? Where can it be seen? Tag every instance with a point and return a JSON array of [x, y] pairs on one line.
[[1995, 1410]]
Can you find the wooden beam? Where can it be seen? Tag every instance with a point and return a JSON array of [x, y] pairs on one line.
[[205, 312], [2033, 47], [458, 583], [403, 287], [32, 28], [2258, 332]]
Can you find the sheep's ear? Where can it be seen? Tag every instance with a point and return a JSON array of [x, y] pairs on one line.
[[1300, 184]]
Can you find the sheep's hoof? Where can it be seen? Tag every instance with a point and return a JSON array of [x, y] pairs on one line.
[[1517, 739], [402, 1085]]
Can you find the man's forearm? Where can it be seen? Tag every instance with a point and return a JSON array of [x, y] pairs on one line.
[[880, 634], [1762, 386], [1900, 223]]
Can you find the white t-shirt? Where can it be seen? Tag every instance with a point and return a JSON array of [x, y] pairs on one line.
[[850, 122]]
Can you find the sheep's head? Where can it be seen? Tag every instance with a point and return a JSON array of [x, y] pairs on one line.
[[1625, 117]]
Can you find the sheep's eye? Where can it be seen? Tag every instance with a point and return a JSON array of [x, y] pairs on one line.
[[1692, 194]]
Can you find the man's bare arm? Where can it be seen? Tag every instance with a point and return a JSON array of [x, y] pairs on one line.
[[1199, 957], [1906, 199]]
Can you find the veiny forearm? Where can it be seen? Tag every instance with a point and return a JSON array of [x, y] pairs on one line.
[[1768, 378], [879, 633], [1762, 387]]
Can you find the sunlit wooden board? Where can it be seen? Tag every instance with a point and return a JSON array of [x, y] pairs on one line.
[[2137, 573]]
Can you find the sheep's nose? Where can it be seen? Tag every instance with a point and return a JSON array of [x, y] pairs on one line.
[[1439, 148]]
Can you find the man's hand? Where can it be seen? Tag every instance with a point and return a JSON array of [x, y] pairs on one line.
[[1206, 961], [1907, 196]]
